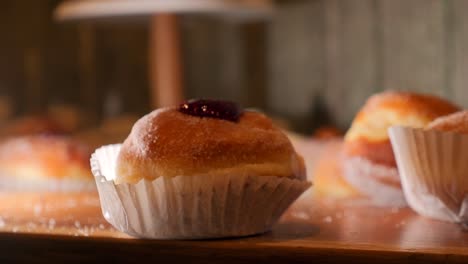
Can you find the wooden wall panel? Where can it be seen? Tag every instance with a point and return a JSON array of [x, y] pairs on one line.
[[458, 51], [314, 56], [200, 50], [232, 63], [357, 66], [25, 29], [335, 88], [45, 62], [60, 59], [353, 56], [254, 65], [87, 75], [413, 45], [296, 55], [213, 58], [121, 69], [35, 58], [134, 49], [10, 54]]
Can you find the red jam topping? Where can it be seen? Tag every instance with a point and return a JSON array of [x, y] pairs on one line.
[[212, 108]]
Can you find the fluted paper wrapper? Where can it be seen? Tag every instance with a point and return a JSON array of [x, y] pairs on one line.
[[191, 207], [433, 167]]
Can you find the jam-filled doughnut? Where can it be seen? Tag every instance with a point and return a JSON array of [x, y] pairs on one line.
[[205, 137], [204, 169]]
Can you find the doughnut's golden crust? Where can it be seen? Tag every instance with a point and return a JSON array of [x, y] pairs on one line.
[[368, 136], [396, 108], [169, 143], [456, 122], [44, 157]]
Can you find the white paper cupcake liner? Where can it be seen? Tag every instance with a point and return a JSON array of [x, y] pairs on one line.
[[10, 184], [192, 207], [434, 171], [366, 177]]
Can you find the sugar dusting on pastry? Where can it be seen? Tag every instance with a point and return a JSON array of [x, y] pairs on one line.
[[169, 143], [456, 122]]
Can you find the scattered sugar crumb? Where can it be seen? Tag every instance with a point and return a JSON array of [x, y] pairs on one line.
[[31, 225], [328, 219], [402, 223], [301, 215], [339, 215], [83, 231], [37, 209], [71, 203], [51, 223]]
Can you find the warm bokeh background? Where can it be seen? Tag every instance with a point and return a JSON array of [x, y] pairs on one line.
[[313, 63]]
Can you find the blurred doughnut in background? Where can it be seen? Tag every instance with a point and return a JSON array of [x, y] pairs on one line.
[[43, 163]]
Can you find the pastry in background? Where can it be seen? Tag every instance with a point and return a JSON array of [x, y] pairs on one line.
[[57, 120], [44, 163], [204, 169], [369, 162], [322, 157], [321, 154], [68, 117], [31, 125], [433, 168], [309, 150], [328, 173]]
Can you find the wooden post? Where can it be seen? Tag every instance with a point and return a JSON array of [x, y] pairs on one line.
[[165, 61]]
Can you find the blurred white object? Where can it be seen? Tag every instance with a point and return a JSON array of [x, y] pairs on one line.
[[112, 104], [88, 9]]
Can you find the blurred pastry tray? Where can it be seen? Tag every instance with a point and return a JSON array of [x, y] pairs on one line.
[[314, 230]]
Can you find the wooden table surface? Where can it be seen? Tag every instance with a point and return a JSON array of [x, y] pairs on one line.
[[64, 228]]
